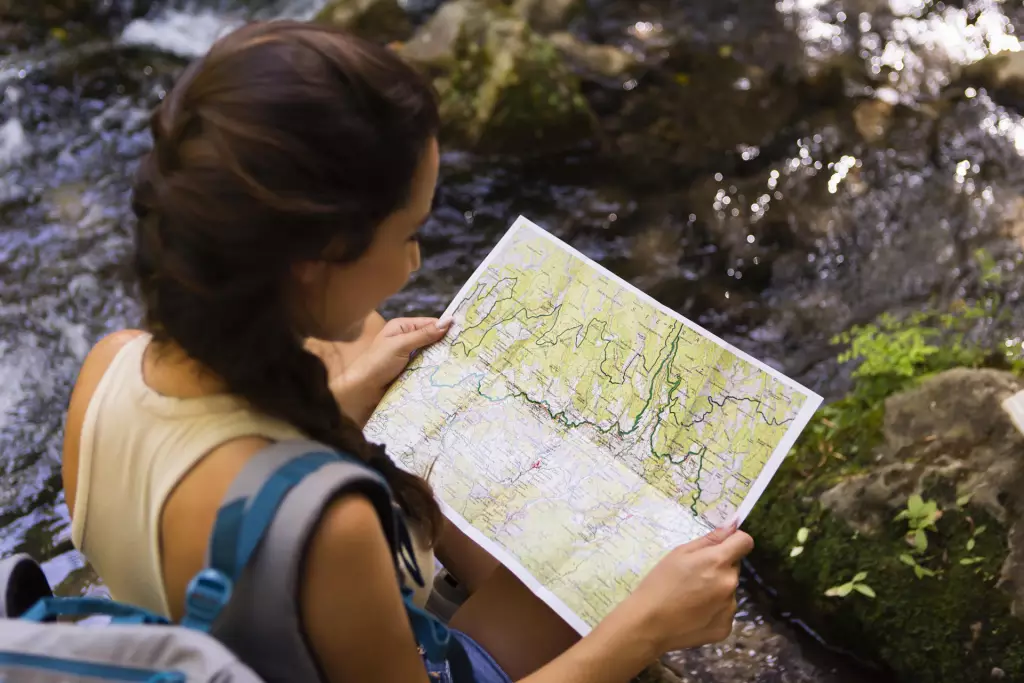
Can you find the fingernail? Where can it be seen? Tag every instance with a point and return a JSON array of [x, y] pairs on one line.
[[444, 322], [731, 525]]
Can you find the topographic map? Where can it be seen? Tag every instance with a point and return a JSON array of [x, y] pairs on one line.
[[578, 430]]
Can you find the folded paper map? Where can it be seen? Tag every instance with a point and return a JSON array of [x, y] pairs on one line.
[[578, 430]]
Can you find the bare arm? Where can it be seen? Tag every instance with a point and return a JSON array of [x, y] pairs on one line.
[[464, 558], [96, 363], [687, 600], [373, 643]]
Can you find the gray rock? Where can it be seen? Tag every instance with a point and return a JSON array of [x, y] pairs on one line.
[[502, 87], [950, 430], [998, 71], [872, 119], [434, 45], [548, 15], [606, 61]]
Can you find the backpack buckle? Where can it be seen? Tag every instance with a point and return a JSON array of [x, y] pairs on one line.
[[207, 594]]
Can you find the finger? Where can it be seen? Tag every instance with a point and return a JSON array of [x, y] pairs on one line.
[[426, 335], [400, 326], [712, 539], [735, 547]]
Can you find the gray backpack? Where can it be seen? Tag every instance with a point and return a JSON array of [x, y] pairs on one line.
[[241, 621]]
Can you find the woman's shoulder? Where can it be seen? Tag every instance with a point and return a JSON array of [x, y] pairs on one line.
[[93, 368]]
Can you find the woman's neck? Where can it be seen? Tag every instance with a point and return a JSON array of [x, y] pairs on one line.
[[168, 370]]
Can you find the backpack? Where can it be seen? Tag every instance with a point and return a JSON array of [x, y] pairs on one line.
[[241, 620]]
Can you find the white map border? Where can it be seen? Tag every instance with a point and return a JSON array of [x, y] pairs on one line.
[[756, 489]]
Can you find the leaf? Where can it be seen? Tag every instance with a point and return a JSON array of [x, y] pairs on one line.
[[968, 561], [859, 577], [970, 544], [802, 535], [908, 560], [963, 500], [796, 551], [865, 589], [832, 592], [914, 504], [920, 540], [844, 590], [919, 571], [980, 530], [903, 515]]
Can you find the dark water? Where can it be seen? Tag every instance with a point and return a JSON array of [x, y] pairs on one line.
[[784, 170]]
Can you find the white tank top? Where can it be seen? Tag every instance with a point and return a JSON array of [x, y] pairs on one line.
[[136, 445]]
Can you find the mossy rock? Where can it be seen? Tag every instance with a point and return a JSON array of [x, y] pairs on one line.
[[378, 20], [503, 88], [947, 440]]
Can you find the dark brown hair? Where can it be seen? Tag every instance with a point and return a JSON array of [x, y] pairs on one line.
[[285, 138]]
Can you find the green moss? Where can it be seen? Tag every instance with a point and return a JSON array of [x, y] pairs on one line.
[[954, 627], [510, 90]]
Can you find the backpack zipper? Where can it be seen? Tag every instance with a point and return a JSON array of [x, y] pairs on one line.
[[108, 672]]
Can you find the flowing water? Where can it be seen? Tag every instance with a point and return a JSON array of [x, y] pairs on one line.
[[783, 170]]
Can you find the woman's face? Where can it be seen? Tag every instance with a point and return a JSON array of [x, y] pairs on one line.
[[339, 297]]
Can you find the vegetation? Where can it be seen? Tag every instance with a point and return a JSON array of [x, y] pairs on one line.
[[936, 614]]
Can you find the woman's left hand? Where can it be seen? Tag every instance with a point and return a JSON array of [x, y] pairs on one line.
[[359, 384]]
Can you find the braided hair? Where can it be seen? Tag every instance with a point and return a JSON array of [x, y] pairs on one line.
[[285, 138]]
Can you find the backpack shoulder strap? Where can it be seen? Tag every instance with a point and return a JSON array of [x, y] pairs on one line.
[[260, 538]]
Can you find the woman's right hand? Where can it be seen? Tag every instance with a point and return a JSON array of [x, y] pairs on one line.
[[689, 598]]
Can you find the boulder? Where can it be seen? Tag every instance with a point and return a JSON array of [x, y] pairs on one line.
[[502, 86], [380, 20], [604, 61], [943, 604], [1002, 74], [548, 15], [873, 119]]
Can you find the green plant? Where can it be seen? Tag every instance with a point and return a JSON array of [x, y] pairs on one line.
[[856, 584], [921, 516], [802, 535], [919, 571]]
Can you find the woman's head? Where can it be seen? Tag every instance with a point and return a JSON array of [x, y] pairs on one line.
[[291, 168], [295, 162]]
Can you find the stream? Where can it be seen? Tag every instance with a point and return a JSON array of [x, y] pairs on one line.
[[783, 170]]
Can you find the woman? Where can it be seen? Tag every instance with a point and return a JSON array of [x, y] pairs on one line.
[[291, 169]]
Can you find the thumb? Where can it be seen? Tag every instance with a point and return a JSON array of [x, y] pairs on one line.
[[716, 537], [424, 335]]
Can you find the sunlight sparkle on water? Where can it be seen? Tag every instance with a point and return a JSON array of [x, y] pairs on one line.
[[840, 170]]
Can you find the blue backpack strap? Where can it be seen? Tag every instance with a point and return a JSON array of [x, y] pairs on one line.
[[260, 538], [120, 613]]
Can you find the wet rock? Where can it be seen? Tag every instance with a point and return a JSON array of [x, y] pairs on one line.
[[548, 15], [502, 86], [701, 106], [436, 44], [1002, 70], [952, 612], [606, 61], [50, 12], [872, 118], [380, 20], [758, 651]]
